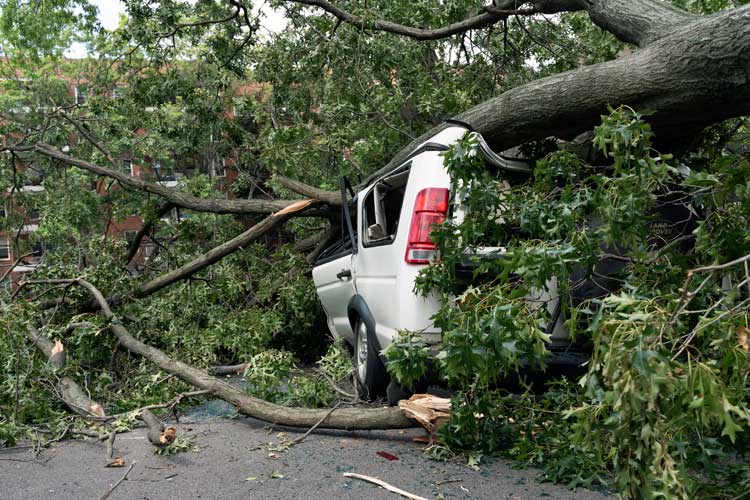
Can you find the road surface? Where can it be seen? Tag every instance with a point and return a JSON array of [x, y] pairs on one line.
[[230, 461]]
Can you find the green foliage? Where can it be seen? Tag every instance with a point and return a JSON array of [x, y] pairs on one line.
[[663, 406], [408, 358], [662, 410], [273, 375]]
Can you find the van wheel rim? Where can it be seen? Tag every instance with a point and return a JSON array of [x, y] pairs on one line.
[[362, 351]]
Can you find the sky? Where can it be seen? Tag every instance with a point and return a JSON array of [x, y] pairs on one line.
[[111, 10]]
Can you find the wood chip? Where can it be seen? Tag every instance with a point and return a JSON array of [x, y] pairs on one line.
[[116, 462], [168, 436], [430, 411], [295, 207]]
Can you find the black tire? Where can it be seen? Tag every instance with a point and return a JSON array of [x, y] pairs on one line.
[[396, 393], [370, 371]]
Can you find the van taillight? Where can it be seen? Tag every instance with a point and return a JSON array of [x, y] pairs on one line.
[[429, 210]]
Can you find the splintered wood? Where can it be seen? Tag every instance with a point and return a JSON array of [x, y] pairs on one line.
[[431, 412]]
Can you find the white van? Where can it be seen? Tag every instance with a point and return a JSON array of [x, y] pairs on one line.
[[365, 281]]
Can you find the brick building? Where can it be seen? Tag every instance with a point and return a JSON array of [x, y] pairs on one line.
[[222, 171]]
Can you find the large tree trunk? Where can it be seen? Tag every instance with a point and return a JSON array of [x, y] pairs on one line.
[[693, 71], [697, 75]]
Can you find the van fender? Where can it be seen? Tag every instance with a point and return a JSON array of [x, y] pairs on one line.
[[358, 308]]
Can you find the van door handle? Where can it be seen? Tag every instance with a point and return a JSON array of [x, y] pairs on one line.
[[345, 273]]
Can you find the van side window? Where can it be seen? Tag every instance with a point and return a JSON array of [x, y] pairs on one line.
[[342, 246], [382, 209]]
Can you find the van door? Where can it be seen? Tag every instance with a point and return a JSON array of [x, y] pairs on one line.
[[334, 272]]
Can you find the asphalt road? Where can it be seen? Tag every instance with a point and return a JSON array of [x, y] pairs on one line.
[[229, 462]]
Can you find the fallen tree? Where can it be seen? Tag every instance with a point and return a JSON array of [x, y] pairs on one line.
[[690, 70], [344, 418]]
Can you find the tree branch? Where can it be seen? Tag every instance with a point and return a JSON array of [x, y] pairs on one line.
[[634, 21], [216, 254], [67, 389], [345, 418], [145, 229], [692, 77], [178, 198], [475, 22], [329, 197]]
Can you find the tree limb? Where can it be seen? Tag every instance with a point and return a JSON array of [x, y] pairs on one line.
[[345, 418], [634, 21], [178, 198], [68, 390], [330, 197], [475, 22], [145, 229], [693, 76], [216, 254]]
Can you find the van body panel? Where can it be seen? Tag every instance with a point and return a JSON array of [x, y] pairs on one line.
[[380, 273], [384, 279], [335, 292]]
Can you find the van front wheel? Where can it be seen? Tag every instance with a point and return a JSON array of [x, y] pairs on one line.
[[370, 371]]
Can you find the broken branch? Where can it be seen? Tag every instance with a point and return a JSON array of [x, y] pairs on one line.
[[383, 484]]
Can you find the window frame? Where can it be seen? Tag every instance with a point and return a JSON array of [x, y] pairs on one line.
[[129, 162], [6, 245], [406, 167], [125, 237], [80, 97]]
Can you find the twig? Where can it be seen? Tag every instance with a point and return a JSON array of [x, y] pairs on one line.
[[382, 484], [334, 386], [446, 481], [309, 431], [123, 478]]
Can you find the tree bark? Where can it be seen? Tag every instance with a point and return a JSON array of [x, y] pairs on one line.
[[345, 418], [633, 21], [695, 76], [179, 198], [692, 75], [158, 435], [329, 197]]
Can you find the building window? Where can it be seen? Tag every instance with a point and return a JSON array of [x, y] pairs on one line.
[[4, 248], [80, 94], [32, 213], [129, 236], [218, 169], [3, 212], [127, 167]]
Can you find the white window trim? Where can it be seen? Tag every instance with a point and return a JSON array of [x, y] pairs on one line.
[[132, 172], [5, 245], [75, 91]]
